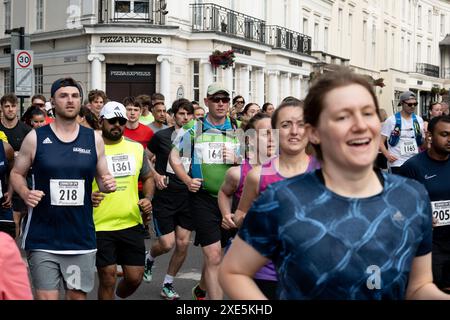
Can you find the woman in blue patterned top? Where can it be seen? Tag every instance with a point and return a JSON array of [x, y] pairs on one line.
[[347, 231]]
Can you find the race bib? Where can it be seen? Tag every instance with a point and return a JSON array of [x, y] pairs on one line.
[[66, 192], [121, 165], [441, 212], [186, 165], [408, 147], [212, 152]]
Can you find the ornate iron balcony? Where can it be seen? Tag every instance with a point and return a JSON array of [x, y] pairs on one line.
[[211, 17], [147, 11], [282, 38], [427, 69]]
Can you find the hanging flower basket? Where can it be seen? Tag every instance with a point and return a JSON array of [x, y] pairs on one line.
[[435, 90], [443, 92], [224, 59], [379, 82]]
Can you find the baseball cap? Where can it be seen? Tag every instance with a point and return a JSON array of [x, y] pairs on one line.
[[113, 109], [216, 87], [65, 82], [405, 96]]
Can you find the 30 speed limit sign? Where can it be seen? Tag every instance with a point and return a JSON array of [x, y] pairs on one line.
[[23, 76]]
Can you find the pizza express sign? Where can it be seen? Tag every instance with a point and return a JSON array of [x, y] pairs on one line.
[[131, 39]]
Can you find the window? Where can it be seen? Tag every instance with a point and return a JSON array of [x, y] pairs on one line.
[[340, 19], [429, 54], [374, 44], [419, 16], [196, 81], [386, 48], [408, 56], [6, 81], [409, 11], [198, 12], [233, 93], [131, 9], [403, 9], [393, 50], [325, 39], [305, 26], [316, 36], [250, 85], [215, 77], [38, 80], [39, 14], [402, 61], [7, 5], [429, 20], [364, 31], [442, 28], [419, 55], [350, 24]]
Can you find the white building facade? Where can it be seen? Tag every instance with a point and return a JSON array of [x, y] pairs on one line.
[[129, 47], [133, 47]]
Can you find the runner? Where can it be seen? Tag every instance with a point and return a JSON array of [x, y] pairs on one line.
[[7, 223], [172, 217], [259, 131], [432, 169], [118, 221], [288, 122], [346, 231], [59, 236], [213, 143], [16, 131]]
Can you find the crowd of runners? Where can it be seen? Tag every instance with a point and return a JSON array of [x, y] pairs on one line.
[[321, 198]]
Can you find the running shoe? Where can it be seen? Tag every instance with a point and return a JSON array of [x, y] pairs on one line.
[[148, 270], [168, 292], [197, 293]]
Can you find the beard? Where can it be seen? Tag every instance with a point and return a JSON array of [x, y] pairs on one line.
[[113, 136], [66, 116]]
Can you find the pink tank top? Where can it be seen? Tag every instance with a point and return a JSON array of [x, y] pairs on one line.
[[269, 175], [245, 168]]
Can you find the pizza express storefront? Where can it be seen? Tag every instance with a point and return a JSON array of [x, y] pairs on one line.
[[129, 65], [124, 80]]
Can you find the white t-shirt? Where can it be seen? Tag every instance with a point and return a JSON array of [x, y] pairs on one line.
[[407, 146]]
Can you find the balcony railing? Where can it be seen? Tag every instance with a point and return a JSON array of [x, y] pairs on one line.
[[208, 17], [147, 11], [445, 73], [211, 17], [427, 69], [282, 38]]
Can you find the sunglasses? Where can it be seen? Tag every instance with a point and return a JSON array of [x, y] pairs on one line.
[[122, 121], [239, 101], [412, 104], [218, 99]]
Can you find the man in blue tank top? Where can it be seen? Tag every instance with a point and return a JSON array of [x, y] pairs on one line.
[[59, 236]]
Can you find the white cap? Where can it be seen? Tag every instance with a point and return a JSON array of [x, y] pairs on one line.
[[113, 109], [48, 106]]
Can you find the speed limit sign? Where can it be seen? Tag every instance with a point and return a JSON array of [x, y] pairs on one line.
[[23, 76]]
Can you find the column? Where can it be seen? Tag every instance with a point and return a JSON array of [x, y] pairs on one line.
[[273, 87], [228, 79], [285, 85], [164, 71], [296, 90], [207, 76], [244, 89], [96, 60], [260, 87]]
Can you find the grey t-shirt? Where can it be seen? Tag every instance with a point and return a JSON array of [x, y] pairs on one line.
[[155, 129]]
